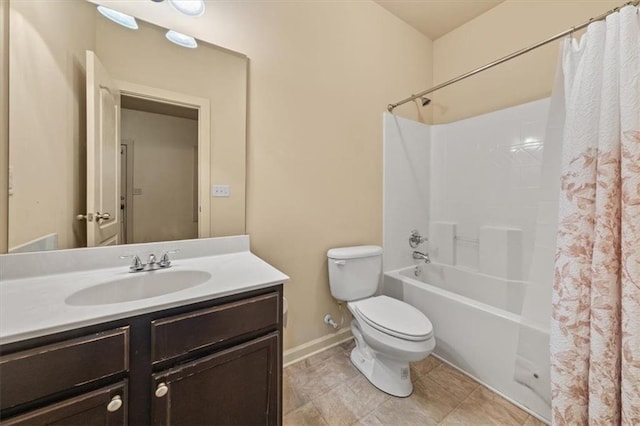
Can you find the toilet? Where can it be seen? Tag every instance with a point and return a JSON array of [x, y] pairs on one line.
[[388, 333]]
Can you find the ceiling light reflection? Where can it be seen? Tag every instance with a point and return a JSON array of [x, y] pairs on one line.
[[119, 17], [188, 7], [181, 39]]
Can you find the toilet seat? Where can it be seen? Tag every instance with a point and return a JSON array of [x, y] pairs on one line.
[[393, 317]]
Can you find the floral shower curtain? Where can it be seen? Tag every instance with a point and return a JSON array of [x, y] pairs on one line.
[[595, 328]]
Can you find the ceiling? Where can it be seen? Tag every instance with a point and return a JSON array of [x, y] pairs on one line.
[[435, 18]]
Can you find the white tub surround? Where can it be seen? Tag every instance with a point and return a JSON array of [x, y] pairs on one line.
[[490, 239], [443, 242], [533, 365], [34, 287], [406, 187], [485, 171], [500, 252], [476, 321], [497, 292]]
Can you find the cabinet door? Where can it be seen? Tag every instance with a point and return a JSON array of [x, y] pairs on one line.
[[238, 386], [106, 406]]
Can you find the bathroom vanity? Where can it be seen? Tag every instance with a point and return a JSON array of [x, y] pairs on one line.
[[207, 354]]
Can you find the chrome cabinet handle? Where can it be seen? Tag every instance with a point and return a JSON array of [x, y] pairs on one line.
[[162, 390], [114, 404]]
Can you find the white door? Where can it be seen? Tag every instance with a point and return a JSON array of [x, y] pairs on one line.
[[103, 156]]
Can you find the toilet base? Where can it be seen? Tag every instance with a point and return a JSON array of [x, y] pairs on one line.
[[388, 375]]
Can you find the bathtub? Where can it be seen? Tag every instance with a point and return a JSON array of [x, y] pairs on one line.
[[476, 321]]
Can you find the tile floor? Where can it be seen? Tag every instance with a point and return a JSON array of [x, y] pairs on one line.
[[326, 389]]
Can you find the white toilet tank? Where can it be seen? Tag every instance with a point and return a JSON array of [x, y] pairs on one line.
[[354, 272]]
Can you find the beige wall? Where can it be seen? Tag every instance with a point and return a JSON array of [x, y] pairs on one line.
[[321, 75], [502, 30], [4, 124], [315, 148], [146, 57], [164, 166], [48, 136]]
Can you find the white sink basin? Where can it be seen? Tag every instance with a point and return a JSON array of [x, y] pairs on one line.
[[141, 285]]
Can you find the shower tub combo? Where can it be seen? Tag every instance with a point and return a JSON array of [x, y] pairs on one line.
[[476, 321]]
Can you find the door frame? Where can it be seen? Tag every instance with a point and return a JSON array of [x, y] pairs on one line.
[[128, 219], [4, 126], [204, 140], [103, 154]]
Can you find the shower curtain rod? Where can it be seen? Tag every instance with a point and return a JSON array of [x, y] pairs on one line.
[[391, 107]]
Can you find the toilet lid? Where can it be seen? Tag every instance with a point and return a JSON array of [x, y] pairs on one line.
[[394, 317]]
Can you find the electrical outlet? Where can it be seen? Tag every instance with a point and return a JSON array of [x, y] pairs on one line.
[[220, 191]]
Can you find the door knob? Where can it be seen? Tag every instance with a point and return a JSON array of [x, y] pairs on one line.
[[102, 216], [88, 217], [114, 404], [162, 390]]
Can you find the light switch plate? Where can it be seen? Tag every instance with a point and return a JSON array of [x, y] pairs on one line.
[[220, 191]]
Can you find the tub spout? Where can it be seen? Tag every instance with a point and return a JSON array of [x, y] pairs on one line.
[[421, 256]]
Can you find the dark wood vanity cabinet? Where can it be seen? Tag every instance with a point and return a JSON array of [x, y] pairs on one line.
[[235, 386], [209, 363]]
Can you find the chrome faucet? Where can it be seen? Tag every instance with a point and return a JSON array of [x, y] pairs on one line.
[[136, 263], [152, 263], [421, 256], [415, 239], [165, 262]]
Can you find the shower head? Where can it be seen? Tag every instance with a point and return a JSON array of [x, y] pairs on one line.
[[425, 101]]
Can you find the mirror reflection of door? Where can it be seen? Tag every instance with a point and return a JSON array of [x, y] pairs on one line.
[[159, 170], [103, 136], [149, 192]]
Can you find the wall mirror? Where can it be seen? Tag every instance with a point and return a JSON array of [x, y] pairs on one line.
[[117, 135]]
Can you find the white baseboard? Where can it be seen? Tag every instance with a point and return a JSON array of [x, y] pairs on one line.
[[308, 349]]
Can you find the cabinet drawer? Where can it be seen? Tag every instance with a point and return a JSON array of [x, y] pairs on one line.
[[180, 334], [90, 409], [36, 373]]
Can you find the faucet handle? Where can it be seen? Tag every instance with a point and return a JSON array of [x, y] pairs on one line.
[[136, 263], [415, 239], [165, 262]]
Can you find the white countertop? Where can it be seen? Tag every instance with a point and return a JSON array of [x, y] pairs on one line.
[[34, 305]]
